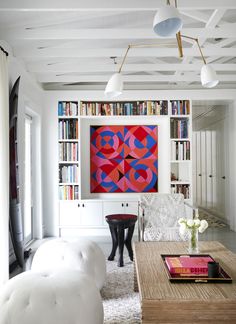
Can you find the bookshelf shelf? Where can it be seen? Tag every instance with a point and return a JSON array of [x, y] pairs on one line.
[[180, 161], [67, 117], [68, 162], [68, 183], [180, 182], [67, 140]]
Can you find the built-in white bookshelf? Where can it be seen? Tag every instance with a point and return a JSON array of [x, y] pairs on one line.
[[81, 211], [68, 150], [180, 147]]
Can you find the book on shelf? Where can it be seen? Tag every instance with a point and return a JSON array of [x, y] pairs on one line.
[[67, 192], [68, 174], [68, 129], [67, 108], [188, 265], [180, 150], [68, 152], [180, 107], [158, 107], [179, 128], [181, 188]]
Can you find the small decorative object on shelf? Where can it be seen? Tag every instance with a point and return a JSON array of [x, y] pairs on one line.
[[192, 227]]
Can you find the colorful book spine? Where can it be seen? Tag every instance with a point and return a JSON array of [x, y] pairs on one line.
[[188, 265]]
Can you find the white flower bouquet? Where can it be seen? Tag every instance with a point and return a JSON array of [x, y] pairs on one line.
[[192, 226]]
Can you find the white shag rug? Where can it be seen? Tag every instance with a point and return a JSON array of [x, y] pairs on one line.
[[121, 304]]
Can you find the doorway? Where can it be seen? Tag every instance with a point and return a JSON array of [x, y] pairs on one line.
[[211, 157]]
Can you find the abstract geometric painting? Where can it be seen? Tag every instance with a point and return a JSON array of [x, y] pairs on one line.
[[123, 158]]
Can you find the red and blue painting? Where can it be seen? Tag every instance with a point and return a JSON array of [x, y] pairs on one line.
[[123, 158]]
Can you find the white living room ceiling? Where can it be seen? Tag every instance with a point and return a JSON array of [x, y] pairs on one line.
[[69, 44]]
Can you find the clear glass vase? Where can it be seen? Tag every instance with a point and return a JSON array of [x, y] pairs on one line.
[[193, 241]]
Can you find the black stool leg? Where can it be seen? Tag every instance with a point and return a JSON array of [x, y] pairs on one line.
[[128, 241], [121, 235], [113, 231]]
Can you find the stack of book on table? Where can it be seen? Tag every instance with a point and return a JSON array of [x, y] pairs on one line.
[[188, 266]]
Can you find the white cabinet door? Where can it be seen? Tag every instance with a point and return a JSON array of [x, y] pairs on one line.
[[131, 207], [113, 207], [119, 207], [91, 213], [209, 175], [203, 169], [69, 213], [198, 169]]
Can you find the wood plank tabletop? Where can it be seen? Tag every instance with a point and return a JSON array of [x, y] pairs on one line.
[[166, 302]]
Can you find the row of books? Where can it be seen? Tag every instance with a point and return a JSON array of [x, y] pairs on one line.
[[179, 128], [68, 174], [68, 192], [188, 265], [180, 150], [180, 107], [123, 108], [68, 152], [67, 108], [181, 188], [68, 129]]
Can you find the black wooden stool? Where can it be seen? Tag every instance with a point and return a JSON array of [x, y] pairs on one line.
[[117, 224]]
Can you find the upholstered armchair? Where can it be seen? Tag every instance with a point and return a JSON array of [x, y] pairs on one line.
[[159, 214]]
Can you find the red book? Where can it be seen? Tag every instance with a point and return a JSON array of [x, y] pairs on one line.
[[188, 265]]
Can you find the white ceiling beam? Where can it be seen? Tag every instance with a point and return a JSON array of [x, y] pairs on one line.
[[119, 52], [222, 43], [129, 78], [101, 5], [211, 23], [195, 14], [215, 18], [226, 31], [95, 68]]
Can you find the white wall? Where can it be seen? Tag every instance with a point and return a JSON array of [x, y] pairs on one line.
[[50, 136]]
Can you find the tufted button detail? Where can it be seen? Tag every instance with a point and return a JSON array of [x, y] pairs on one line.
[[79, 254]]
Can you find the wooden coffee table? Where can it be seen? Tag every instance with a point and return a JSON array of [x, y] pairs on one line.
[[183, 303]]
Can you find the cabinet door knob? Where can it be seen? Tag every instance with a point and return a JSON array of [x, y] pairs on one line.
[[78, 205], [210, 176], [122, 205], [223, 177], [82, 205], [199, 175], [127, 204]]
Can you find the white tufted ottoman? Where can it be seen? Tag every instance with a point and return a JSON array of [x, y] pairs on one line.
[[82, 254], [63, 297]]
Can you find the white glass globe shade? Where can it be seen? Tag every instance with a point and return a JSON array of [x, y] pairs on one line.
[[114, 86], [167, 21], [208, 77]]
